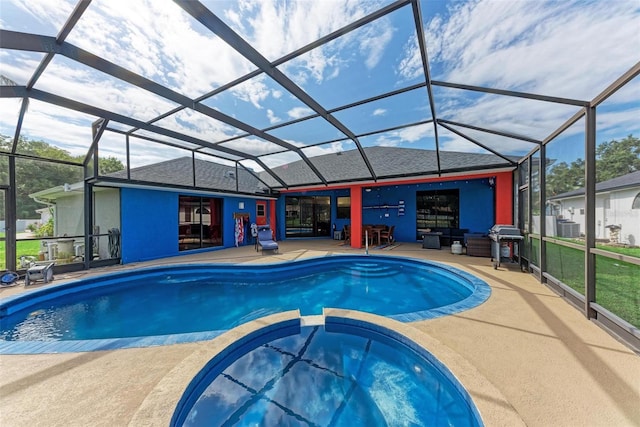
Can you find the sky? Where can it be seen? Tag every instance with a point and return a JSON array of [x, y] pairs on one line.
[[570, 49]]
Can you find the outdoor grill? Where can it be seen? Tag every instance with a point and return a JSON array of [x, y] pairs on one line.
[[505, 243]]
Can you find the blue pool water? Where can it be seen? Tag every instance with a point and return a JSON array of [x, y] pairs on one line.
[[340, 374], [192, 299]]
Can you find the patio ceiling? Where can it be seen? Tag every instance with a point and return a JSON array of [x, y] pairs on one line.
[[259, 86]]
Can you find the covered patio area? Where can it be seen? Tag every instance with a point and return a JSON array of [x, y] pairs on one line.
[[526, 356]]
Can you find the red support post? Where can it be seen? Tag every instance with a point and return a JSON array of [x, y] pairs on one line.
[[356, 216]]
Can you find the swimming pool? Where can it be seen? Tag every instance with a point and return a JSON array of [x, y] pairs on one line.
[[343, 372], [181, 303]]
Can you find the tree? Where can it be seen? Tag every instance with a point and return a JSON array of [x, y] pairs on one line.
[[613, 159], [107, 165], [37, 175], [617, 158], [563, 177]]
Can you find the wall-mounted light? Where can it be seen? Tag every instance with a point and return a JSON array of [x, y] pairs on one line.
[[492, 182], [240, 205], [368, 190]]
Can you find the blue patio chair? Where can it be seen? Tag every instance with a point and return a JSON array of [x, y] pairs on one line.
[[265, 240]]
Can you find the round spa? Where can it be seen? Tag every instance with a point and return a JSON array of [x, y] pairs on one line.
[[342, 372]]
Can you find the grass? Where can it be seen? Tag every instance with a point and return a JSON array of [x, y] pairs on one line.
[[633, 251], [617, 282], [23, 248]]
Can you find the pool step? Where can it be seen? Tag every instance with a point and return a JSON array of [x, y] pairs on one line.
[[370, 270]]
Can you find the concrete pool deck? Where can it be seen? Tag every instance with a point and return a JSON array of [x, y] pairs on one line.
[[531, 358]]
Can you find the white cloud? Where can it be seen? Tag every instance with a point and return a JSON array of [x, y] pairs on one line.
[[405, 136], [379, 112], [319, 150], [273, 119], [42, 11], [570, 48], [458, 144], [252, 145], [619, 124], [567, 49], [410, 66], [187, 57], [94, 88], [276, 28], [253, 91], [375, 41], [198, 125], [62, 128], [299, 112]]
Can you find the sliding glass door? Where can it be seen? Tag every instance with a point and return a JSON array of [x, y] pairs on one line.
[[308, 216], [200, 222]]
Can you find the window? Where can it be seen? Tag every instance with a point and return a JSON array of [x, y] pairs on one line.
[[437, 209], [636, 202], [344, 207], [199, 222]]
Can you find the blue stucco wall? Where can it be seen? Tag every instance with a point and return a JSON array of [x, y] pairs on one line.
[[148, 230], [477, 210], [476, 206], [149, 218], [230, 206], [149, 222]]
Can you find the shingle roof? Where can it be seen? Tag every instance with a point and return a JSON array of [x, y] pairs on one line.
[[208, 175], [387, 162], [347, 166], [625, 181]]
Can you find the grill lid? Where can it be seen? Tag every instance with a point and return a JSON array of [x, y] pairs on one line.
[[505, 230]]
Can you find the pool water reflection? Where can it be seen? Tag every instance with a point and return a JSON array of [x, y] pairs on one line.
[[334, 375]]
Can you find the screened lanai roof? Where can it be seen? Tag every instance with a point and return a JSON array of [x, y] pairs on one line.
[[280, 89]]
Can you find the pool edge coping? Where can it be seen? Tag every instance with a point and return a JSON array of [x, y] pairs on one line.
[[481, 291]]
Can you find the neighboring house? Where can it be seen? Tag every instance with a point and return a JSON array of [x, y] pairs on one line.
[[617, 209]]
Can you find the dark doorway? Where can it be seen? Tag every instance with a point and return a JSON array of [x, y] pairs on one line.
[[308, 216]]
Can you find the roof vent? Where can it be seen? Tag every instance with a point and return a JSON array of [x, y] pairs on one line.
[[229, 174]]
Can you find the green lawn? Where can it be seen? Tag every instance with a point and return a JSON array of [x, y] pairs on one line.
[[634, 252], [617, 282], [23, 248]]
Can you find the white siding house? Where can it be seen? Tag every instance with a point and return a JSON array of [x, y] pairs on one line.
[[617, 209]]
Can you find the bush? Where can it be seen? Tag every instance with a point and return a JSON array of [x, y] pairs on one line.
[[46, 229]]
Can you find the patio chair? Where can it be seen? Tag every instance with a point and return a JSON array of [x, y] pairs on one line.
[[265, 240], [346, 233], [387, 235]]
